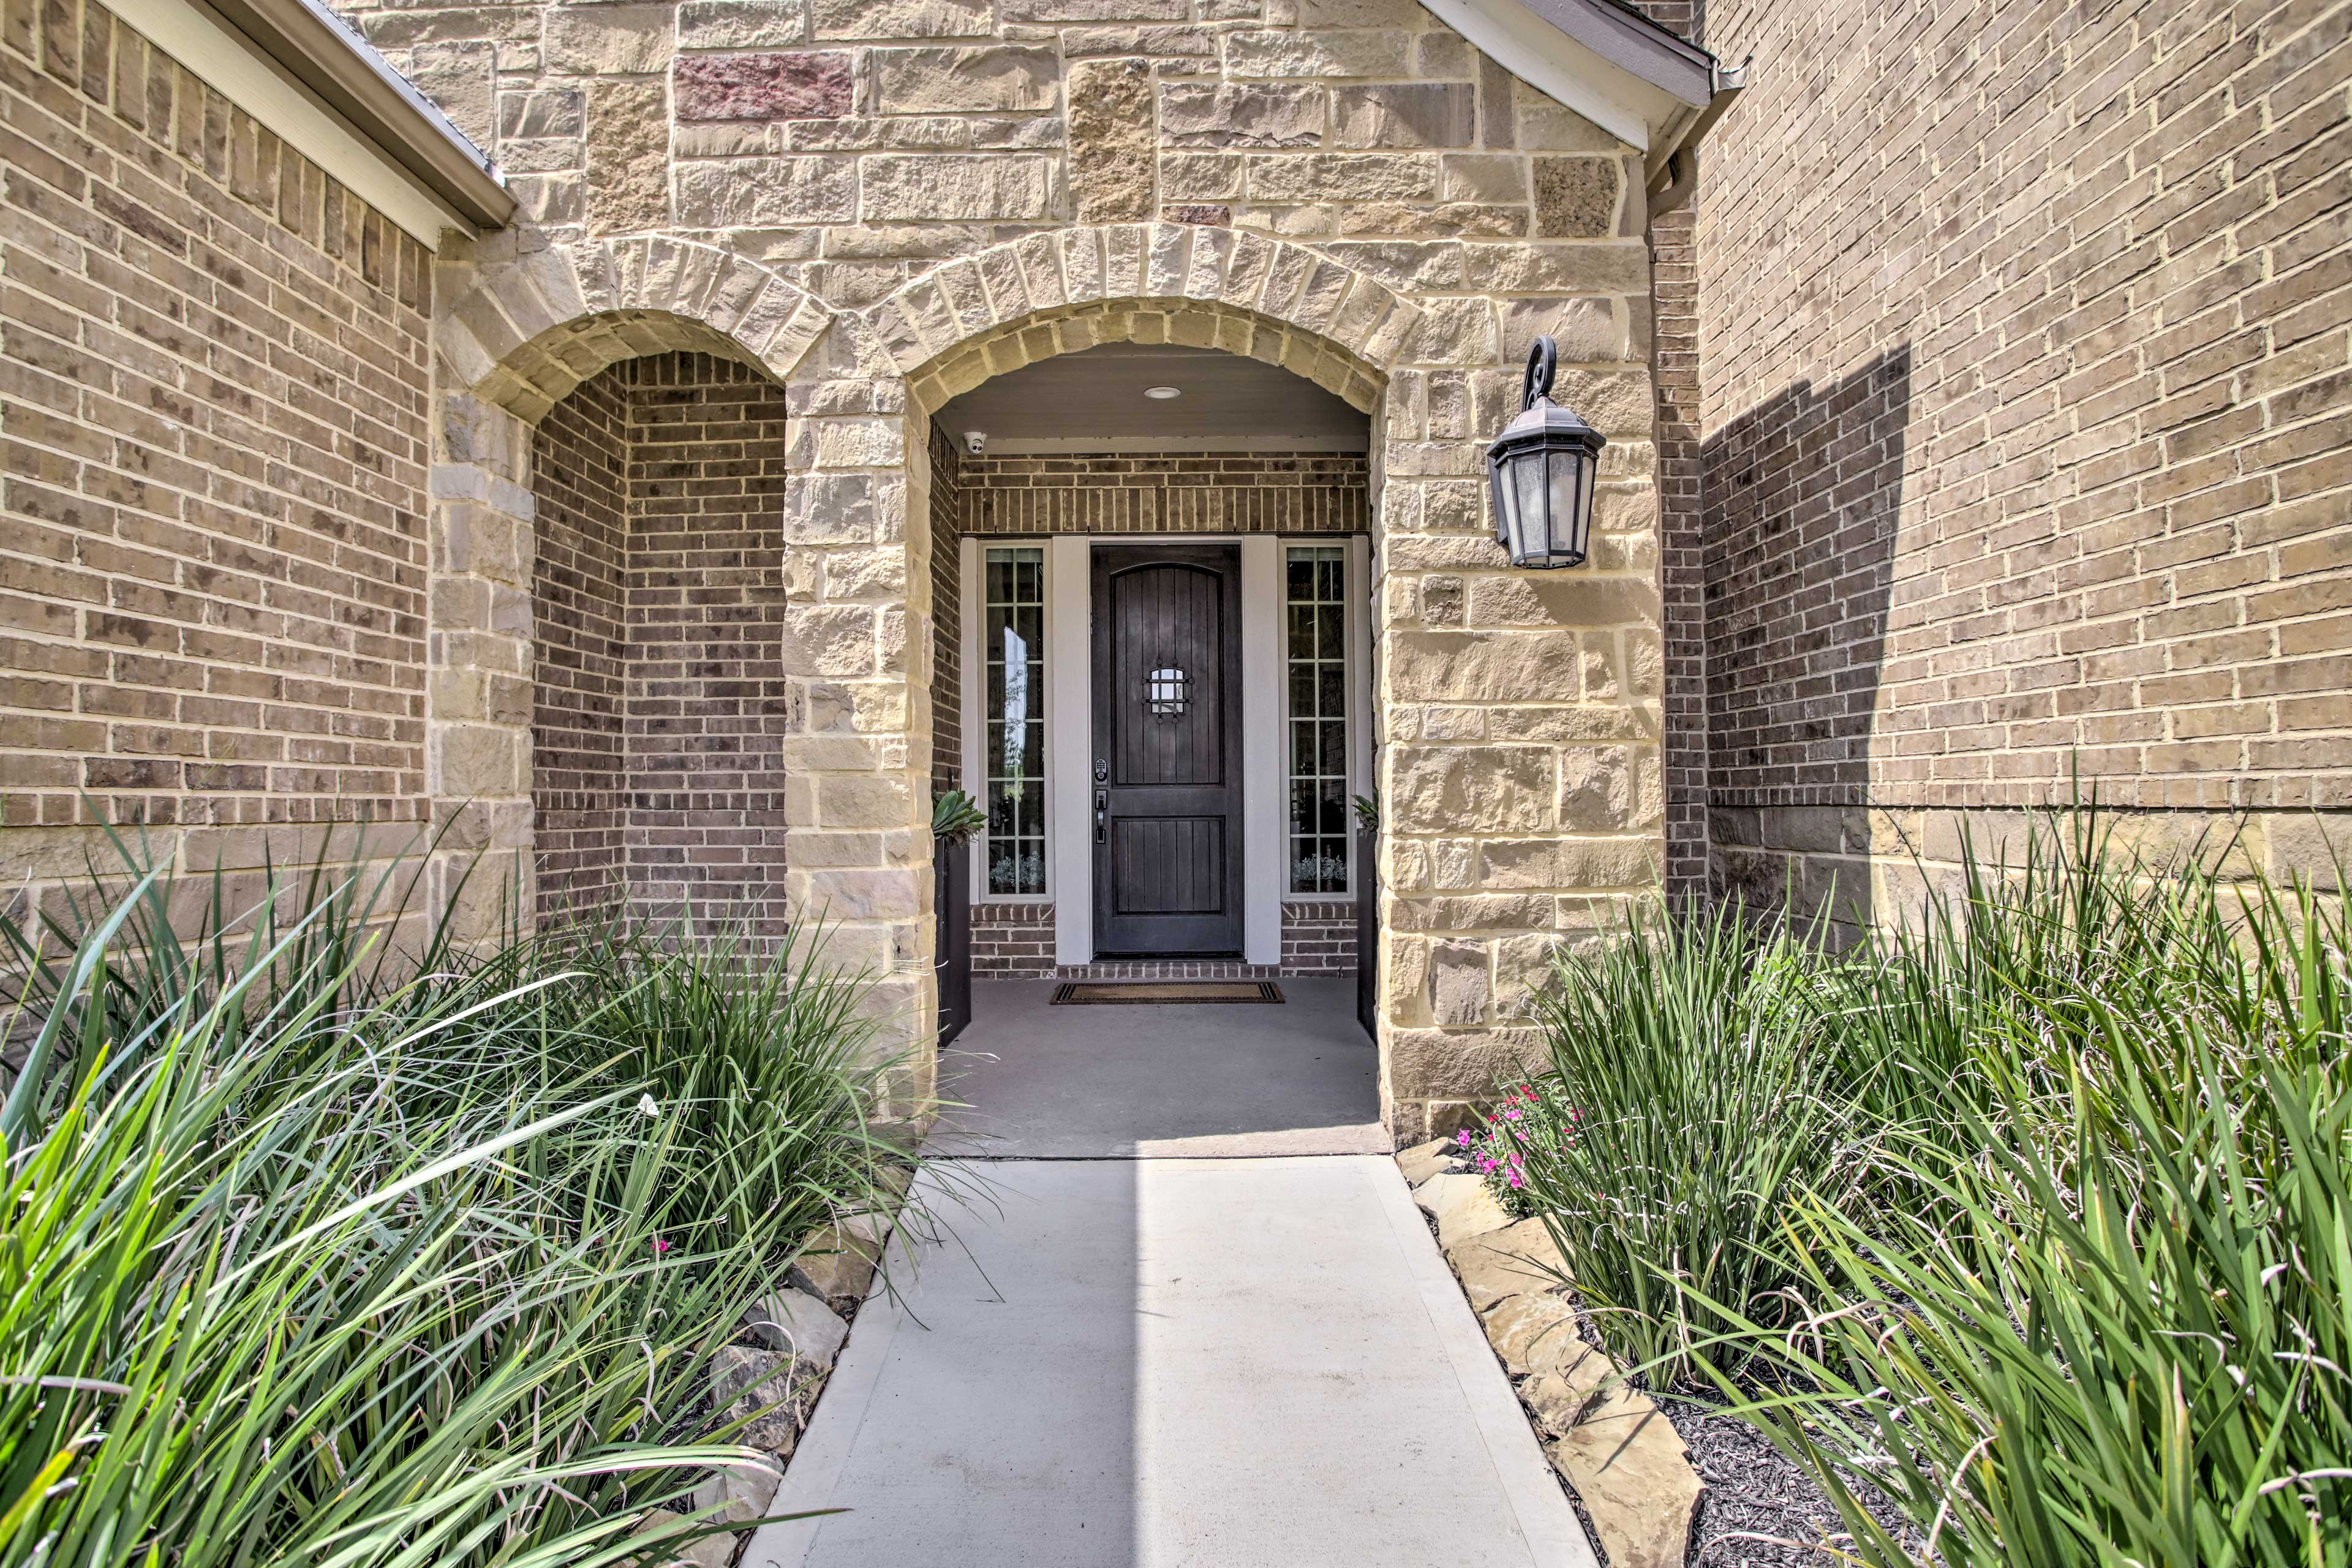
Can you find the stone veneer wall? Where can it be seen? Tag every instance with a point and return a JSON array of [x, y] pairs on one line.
[[1191, 492], [2026, 385], [885, 204], [659, 583], [213, 396]]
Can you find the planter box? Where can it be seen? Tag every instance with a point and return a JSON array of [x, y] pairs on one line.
[[951, 901]]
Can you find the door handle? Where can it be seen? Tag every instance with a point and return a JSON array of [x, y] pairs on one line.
[[1102, 817]]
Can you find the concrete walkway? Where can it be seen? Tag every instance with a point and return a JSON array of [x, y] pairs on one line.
[[1046, 1082], [1175, 1364], [1197, 1362]]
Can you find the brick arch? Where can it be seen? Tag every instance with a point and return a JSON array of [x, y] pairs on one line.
[[1057, 292], [525, 331]]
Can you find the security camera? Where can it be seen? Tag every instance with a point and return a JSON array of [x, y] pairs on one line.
[[975, 442]]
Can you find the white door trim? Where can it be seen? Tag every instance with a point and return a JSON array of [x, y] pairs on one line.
[[1069, 727], [973, 590], [1263, 772], [1070, 744], [1359, 694]]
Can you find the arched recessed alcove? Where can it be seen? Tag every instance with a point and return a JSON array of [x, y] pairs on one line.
[[1071, 465], [661, 709]]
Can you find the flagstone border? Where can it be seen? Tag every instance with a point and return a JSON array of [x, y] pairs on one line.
[[1612, 1447]]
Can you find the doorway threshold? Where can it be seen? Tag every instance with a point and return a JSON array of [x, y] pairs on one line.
[[1168, 969]]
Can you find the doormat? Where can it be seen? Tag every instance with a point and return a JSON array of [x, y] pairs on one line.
[[1146, 992]]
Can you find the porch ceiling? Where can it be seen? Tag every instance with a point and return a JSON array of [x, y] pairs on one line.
[[1094, 402]]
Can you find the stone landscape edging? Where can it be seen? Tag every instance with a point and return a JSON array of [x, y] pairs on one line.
[[803, 1324], [1614, 1447]]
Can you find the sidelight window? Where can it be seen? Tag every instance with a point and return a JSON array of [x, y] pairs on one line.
[[1316, 608], [1016, 721]]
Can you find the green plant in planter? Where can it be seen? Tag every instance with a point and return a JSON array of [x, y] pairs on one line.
[[1367, 811], [956, 816]]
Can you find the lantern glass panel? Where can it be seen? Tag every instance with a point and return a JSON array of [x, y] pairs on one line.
[[1529, 524]]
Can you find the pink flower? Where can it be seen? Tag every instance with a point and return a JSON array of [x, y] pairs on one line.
[[660, 1246]]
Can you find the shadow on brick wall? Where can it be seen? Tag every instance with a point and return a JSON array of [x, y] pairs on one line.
[[1802, 499]]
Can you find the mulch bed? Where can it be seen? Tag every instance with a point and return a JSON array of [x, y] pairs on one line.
[[1753, 1490]]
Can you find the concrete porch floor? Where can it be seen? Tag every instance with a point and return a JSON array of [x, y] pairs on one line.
[[1210, 1080]]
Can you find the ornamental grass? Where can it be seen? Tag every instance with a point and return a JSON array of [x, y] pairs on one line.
[[329, 1240], [2023, 1226]]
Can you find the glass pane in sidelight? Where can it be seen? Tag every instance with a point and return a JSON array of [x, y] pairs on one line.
[[1014, 640], [1315, 578]]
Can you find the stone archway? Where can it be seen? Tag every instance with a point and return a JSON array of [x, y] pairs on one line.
[[1055, 293], [516, 337], [1049, 294]]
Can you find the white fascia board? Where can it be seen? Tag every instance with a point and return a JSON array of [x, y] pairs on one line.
[[1558, 66], [227, 64]]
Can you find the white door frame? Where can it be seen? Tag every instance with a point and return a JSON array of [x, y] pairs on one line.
[[1069, 724]]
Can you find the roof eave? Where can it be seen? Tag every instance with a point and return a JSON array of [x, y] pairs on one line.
[[309, 42], [1632, 78], [1635, 45]]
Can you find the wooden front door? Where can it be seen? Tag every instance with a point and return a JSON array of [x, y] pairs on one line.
[[1168, 749]]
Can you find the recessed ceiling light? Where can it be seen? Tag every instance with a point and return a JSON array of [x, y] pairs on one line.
[[1163, 393]]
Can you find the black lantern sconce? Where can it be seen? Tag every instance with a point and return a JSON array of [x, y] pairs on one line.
[[1541, 471]]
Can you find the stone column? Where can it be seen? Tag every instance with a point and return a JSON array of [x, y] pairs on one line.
[[1520, 773], [858, 761], [478, 666]]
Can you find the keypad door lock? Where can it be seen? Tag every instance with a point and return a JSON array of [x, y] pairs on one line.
[[1102, 770]]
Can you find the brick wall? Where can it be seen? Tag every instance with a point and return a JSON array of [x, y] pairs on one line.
[[1674, 377], [212, 461], [1013, 942], [1319, 938], [2024, 352], [708, 707], [674, 788], [579, 459], [1194, 492], [947, 613], [1674, 370]]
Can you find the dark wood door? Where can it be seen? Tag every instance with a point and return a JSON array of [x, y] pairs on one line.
[[1168, 749]]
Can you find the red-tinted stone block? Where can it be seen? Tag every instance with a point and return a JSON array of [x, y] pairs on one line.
[[795, 85]]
